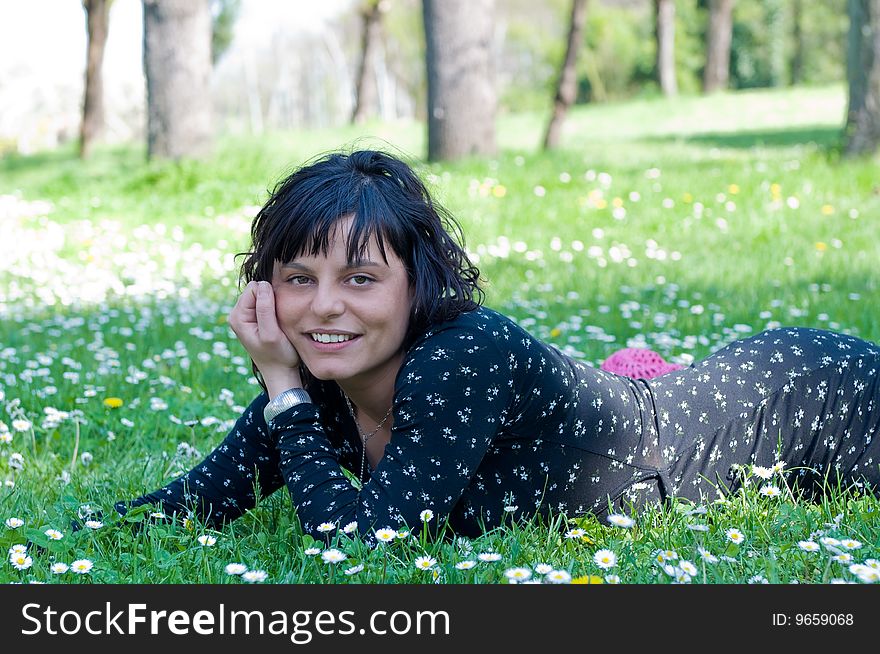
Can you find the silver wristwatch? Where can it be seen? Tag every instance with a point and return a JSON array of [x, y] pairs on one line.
[[283, 401]]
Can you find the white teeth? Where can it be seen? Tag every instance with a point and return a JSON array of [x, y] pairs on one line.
[[331, 338]]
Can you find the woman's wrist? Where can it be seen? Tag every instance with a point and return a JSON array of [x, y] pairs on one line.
[[280, 382]]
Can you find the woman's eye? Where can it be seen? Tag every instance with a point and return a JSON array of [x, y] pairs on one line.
[[298, 280], [360, 280]]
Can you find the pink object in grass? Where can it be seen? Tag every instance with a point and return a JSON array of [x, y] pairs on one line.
[[638, 363]]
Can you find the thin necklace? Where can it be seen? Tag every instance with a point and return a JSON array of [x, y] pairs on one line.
[[365, 437]]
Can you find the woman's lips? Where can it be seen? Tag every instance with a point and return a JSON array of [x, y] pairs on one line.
[[332, 347]]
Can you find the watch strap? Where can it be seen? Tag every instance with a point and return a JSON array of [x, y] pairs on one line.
[[284, 401]]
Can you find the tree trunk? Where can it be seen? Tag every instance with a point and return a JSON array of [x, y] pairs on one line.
[[717, 72], [566, 90], [664, 10], [774, 13], [461, 85], [97, 24], [863, 73], [366, 87], [177, 64], [797, 59]]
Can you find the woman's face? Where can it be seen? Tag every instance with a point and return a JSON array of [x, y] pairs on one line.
[[346, 321]]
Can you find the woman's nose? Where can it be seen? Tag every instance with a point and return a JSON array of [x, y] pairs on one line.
[[327, 301]]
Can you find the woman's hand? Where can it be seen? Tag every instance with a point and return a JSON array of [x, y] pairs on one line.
[[255, 324]]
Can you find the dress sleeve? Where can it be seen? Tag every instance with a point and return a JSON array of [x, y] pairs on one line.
[[451, 400]]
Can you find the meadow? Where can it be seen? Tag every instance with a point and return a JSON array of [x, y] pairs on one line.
[[678, 225]]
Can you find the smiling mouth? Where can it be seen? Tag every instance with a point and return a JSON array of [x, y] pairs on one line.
[[331, 338]]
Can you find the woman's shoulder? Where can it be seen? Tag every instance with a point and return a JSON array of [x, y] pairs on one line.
[[482, 333], [481, 321]]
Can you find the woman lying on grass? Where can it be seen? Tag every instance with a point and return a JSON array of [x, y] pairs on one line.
[[363, 318]]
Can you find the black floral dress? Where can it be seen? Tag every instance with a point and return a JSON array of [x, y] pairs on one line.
[[492, 424]]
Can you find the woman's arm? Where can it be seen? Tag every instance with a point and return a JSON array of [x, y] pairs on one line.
[[222, 486], [451, 400]]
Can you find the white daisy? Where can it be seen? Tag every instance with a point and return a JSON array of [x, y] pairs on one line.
[[325, 527], [808, 545], [662, 556], [312, 551], [619, 520], [543, 568], [866, 575], [255, 576], [707, 556], [54, 534], [427, 515], [558, 577], [850, 543], [353, 570], [769, 490], [333, 556], [688, 567], [235, 568], [82, 566], [21, 561], [59, 568], [94, 524], [385, 535], [605, 559], [735, 536], [425, 562], [465, 565], [762, 472], [575, 533], [350, 527], [518, 574], [207, 540], [14, 523], [489, 556]]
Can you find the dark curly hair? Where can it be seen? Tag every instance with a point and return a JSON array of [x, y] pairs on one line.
[[387, 200]]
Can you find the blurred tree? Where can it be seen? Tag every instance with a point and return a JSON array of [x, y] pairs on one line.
[[177, 65], [461, 86], [371, 39], [716, 74], [863, 72], [224, 13], [664, 31], [797, 57], [566, 89], [97, 25]]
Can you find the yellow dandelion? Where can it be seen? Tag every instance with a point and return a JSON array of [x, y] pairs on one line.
[[601, 204], [555, 332], [617, 203], [733, 189], [499, 191], [113, 402], [820, 246], [588, 579], [687, 198], [827, 210], [775, 189]]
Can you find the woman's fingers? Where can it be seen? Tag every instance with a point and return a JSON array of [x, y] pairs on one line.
[[254, 322], [267, 321], [243, 317]]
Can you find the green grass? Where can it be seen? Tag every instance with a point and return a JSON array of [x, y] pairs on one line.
[[680, 225]]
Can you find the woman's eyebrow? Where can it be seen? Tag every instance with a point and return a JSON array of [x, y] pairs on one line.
[[363, 263]]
